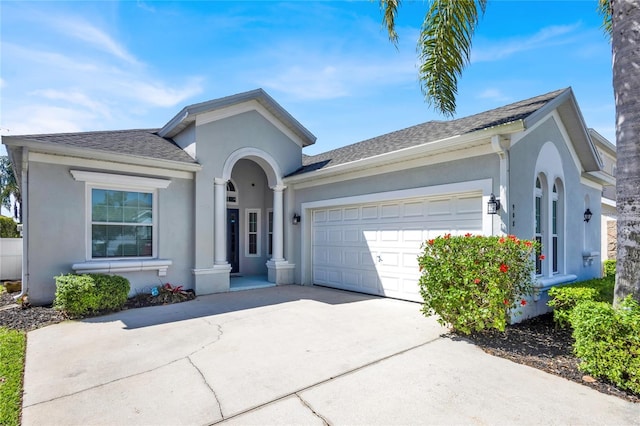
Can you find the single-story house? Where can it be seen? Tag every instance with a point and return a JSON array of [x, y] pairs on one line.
[[224, 188]]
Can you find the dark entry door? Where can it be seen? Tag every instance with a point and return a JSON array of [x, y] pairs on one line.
[[233, 239]]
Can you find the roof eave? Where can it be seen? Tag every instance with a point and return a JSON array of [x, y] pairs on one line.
[[454, 142], [95, 154]]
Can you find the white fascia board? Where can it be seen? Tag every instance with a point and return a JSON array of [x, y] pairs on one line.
[[119, 180], [252, 105], [608, 202], [107, 165], [35, 146], [600, 177], [589, 181], [446, 149]]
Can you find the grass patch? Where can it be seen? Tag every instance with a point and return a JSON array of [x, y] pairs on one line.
[[12, 352]]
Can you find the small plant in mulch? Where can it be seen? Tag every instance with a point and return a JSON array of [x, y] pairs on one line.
[[164, 294]]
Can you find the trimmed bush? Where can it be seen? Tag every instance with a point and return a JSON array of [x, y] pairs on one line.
[[607, 340], [8, 228], [474, 282], [609, 268], [79, 295], [564, 299]]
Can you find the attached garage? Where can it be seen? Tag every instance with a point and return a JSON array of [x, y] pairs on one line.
[[373, 247]]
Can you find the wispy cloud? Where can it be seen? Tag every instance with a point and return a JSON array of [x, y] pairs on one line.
[[69, 87], [92, 35], [549, 36], [493, 94]]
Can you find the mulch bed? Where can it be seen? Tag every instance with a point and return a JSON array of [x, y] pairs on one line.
[[535, 342]]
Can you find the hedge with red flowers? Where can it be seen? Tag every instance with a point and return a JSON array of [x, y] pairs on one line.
[[474, 282]]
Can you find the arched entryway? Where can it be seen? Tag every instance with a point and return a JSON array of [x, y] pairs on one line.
[[258, 209]]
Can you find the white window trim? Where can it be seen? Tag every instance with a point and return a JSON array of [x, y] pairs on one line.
[[269, 232], [247, 213], [96, 180]]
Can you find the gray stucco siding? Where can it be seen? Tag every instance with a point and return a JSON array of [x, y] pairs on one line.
[[218, 139], [58, 231], [468, 169], [176, 232], [523, 157], [57, 227]]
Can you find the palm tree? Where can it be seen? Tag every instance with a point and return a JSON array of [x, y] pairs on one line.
[[444, 50], [625, 26], [10, 197]]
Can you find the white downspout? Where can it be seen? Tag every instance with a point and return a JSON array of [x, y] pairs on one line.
[[24, 207], [501, 145]]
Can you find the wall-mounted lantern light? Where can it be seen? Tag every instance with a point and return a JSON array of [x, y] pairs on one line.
[[587, 215], [493, 205], [296, 218]]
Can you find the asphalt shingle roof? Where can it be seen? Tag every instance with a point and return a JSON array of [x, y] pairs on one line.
[[427, 132], [140, 143]]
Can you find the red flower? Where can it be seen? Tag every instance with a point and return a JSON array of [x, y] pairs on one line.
[[523, 302], [501, 240], [447, 236], [504, 268], [468, 234], [505, 301], [528, 243], [541, 257], [477, 281], [430, 242], [512, 237]]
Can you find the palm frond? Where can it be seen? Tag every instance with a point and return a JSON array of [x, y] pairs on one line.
[[389, 13], [604, 9], [445, 48]]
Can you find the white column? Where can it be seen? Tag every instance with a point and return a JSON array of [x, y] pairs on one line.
[[219, 222], [278, 224]]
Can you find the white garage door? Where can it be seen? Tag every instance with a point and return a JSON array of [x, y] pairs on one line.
[[373, 248]]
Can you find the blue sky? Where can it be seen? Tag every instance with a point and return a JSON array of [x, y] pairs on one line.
[[81, 66]]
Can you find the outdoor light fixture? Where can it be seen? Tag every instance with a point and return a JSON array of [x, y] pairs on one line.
[[296, 218], [493, 205], [587, 215]]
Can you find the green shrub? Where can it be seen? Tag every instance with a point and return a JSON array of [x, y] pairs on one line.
[[610, 268], [607, 340], [564, 299], [474, 282], [8, 228], [79, 295]]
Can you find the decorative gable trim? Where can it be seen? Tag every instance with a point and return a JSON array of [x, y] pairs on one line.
[[253, 105]]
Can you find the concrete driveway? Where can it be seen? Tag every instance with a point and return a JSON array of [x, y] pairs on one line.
[[288, 355]]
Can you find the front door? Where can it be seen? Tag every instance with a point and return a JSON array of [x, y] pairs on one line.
[[233, 239]]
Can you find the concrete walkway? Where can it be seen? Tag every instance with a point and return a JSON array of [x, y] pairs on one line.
[[288, 355]]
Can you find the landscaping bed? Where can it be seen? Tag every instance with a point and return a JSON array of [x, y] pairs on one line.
[[535, 342], [14, 317]]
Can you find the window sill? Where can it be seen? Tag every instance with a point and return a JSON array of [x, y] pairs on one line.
[[545, 283], [119, 266]]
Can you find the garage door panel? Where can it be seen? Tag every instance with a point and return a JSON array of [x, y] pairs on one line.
[[369, 212], [373, 248], [390, 211]]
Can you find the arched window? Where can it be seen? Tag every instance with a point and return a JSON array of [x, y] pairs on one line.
[[538, 223], [554, 228], [232, 193]]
